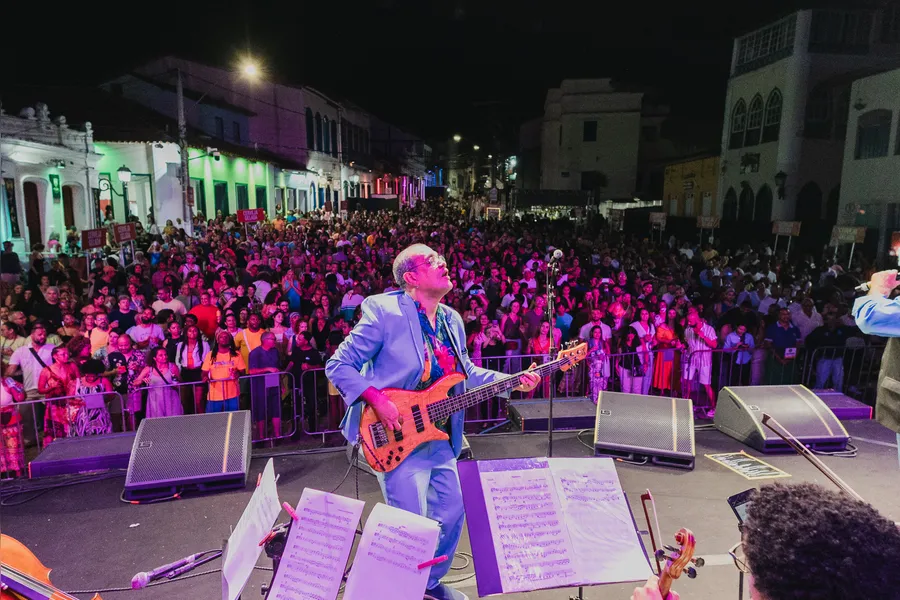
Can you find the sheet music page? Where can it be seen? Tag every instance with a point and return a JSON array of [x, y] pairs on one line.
[[243, 543], [606, 545], [317, 547], [531, 541], [393, 545]]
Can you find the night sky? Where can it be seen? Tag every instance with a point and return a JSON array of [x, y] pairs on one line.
[[478, 67]]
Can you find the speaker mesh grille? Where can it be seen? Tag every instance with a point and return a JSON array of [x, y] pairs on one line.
[[645, 424], [190, 447], [794, 406]]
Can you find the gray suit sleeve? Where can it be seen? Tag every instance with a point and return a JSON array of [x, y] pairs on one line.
[[361, 346]]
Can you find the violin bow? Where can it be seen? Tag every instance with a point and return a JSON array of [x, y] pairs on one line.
[[805, 452]]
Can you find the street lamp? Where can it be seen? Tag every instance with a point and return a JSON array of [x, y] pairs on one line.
[[250, 69], [476, 147], [124, 176], [457, 138]]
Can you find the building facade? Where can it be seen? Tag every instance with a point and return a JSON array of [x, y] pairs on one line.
[[870, 178], [49, 172], [689, 188], [787, 106], [590, 138]]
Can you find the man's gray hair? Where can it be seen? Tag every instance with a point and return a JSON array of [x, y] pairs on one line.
[[406, 262], [267, 335]]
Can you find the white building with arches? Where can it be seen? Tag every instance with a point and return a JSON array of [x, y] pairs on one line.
[[45, 167], [870, 179], [787, 106]]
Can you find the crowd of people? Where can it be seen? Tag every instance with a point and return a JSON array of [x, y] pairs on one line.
[[241, 317]]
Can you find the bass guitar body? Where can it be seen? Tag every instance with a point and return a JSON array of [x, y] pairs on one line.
[[23, 576], [385, 449]]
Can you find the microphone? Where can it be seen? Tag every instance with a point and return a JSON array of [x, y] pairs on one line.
[[557, 256], [141, 580]]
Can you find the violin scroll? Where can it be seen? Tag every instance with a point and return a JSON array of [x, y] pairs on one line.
[[678, 560]]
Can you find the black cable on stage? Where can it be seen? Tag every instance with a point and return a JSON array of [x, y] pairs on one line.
[[34, 488]]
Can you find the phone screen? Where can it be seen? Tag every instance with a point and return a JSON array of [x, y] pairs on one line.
[[740, 504]]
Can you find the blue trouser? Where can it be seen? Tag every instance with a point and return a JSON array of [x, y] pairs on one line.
[[426, 483], [227, 405]]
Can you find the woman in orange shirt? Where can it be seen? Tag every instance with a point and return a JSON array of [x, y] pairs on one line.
[[221, 368]]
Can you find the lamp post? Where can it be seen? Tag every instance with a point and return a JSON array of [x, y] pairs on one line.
[[124, 177], [250, 70]]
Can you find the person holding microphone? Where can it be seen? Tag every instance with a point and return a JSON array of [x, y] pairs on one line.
[[878, 314]]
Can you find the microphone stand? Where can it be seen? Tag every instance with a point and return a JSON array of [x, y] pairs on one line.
[[552, 271]]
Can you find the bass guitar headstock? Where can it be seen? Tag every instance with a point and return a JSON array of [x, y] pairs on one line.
[[571, 354]]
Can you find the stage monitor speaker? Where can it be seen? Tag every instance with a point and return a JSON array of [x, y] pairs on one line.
[[640, 428], [203, 453], [739, 413]]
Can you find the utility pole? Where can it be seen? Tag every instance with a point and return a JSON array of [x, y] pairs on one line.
[[89, 199], [187, 219]]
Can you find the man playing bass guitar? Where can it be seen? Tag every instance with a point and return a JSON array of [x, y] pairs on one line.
[[408, 340]]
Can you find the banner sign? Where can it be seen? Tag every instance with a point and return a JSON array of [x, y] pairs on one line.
[[847, 235], [658, 219], [93, 238], [708, 222], [251, 215], [124, 232], [791, 228]]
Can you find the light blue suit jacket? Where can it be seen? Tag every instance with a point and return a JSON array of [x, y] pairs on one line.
[[385, 350]]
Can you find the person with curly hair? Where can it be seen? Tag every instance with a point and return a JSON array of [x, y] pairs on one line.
[[805, 542]]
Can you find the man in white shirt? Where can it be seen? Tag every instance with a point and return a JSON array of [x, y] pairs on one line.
[[167, 302], [773, 298], [529, 281], [807, 319], [697, 364], [351, 301], [31, 359], [146, 334]]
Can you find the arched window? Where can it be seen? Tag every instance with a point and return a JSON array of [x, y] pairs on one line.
[[763, 213], [334, 139], [318, 132], [738, 124], [809, 203], [729, 206], [754, 121], [310, 130], [873, 133], [772, 124], [311, 203], [326, 134], [745, 203], [818, 122]]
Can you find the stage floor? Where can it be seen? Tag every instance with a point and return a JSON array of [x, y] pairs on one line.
[[92, 540]]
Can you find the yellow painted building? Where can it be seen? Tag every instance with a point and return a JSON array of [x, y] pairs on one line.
[[690, 187]]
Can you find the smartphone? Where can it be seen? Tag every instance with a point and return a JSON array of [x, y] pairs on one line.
[[740, 504]]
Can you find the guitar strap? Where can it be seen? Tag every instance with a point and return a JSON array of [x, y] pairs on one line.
[[452, 335]]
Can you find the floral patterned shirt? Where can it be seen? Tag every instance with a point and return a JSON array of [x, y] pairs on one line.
[[439, 355]]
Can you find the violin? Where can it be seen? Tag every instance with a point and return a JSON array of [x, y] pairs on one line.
[[678, 561], [23, 577]]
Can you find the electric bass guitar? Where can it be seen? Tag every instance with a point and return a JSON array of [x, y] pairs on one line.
[[385, 449]]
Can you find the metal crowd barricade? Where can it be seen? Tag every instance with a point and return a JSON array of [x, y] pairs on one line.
[[321, 406], [33, 413], [265, 410], [670, 372]]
